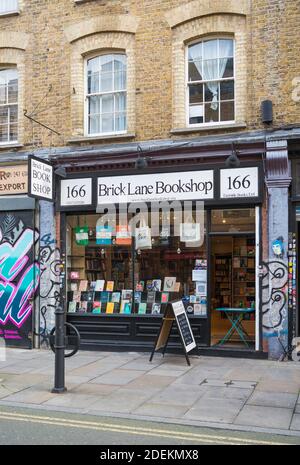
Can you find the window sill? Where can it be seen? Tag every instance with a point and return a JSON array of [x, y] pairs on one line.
[[13, 145], [214, 127], [76, 140], [10, 13]]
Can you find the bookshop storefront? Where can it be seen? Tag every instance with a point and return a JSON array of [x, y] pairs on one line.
[[135, 241]]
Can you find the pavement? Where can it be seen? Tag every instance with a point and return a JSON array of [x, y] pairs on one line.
[[231, 393]]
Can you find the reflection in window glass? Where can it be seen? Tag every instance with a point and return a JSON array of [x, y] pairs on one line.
[[234, 220]]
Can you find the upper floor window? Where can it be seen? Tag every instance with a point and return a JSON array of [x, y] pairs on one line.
[[8, 6], [8, 105], [210, 82], [106, 95]]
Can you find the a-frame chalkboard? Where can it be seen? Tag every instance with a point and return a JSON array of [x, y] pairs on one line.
[[175, 313]]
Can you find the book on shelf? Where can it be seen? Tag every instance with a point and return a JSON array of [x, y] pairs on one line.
[[140, 286], [73, 287], [77, 296], [92, 285], [110, 286], [83, 285], [137, 297], [155, 309], [169, 284], [87, 296], [127, 294], [105, 295], [151, 296], [142, 308], [125, 306], [110, 307], [164, 297], [115, 297], [72, 306], [99, 285], [97, 306]]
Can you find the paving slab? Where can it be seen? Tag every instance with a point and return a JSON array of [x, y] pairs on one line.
[[278, 386], [154, 381], [265, 417], [118, 377], [229, 392], [33, 395], [72, 399], [295, 425], [181, 395], [95, 389], [273, 399], [215, 410], [161, 410], [120, 401]]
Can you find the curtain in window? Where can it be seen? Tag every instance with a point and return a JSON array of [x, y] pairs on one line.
[[213, 68]]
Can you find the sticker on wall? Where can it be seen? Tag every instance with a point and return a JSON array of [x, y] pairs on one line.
[[277, 247]]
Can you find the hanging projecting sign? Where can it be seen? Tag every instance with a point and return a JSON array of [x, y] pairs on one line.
[[76, 192], [41, 179], [187, 185], [239, 183]]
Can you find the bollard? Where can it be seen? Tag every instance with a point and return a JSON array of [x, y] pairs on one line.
[[59, 345]]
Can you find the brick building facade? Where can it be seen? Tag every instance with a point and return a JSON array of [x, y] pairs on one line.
[[50, 44]]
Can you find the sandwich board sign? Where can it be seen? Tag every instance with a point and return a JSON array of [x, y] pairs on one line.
[[175, 313], [41, 179]]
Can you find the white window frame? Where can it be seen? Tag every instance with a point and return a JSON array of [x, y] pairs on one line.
[[8, 141], [86, 96], [188, 83], [10, 11]]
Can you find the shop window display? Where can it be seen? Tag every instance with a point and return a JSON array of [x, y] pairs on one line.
[[110, 271]]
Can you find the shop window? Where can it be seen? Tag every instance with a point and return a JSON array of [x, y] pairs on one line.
[[8, 105], [233, 221], [111, 272], [210, 82], [106, 95]]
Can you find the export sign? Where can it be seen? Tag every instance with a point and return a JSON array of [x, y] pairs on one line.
[[41, 179], [13, 180]]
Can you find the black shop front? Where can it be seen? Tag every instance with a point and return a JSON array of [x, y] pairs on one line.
[[135, 240]]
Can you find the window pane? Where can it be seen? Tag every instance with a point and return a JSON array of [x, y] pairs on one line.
[[106, 82], [195, 70], [12, 77], [226, 48], [227, 90], [94, 125], [13, 133], [240, 220], [7, 6], [195, 52], [94, 105], [121, 122], [210, 49], [211, 91], [3, 115], [4, 133], [211, 112], [12, 93], [93, 83], [93, 65], [210, 70], [3, 90], [196, 93], [120, 63], [120, 80], [107, 104], [106, 63], [120, 102], [226, 67], [227, 111], [196, 114], [13, 114], [108, 122]]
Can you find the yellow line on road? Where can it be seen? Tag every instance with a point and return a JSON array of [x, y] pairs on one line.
[[132, 430]]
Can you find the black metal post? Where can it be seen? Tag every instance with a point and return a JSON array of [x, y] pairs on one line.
[[59, 345]]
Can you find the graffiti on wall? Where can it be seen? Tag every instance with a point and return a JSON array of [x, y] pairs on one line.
[[19, 277], [274, 298], [49, 260]]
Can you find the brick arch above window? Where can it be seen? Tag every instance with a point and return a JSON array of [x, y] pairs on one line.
[[12, 39], [105, 23], [222, 25], [199, 8], [91, 46]]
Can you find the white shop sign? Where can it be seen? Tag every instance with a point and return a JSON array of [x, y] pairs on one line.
[[76, 192], [188, 185], [41, 185], [239, 183]]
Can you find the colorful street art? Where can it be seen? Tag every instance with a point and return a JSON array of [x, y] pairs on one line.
[[19, 277]]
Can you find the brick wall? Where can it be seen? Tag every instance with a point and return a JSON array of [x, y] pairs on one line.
[[52, 31]]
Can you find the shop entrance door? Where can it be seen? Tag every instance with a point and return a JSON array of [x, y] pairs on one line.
[[233, 292]]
